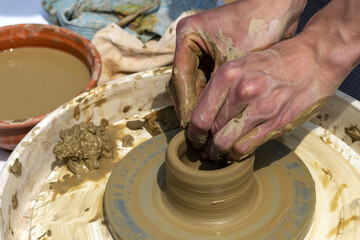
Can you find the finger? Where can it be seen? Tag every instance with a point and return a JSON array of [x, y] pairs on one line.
[[209, 104], [273, 128], [172, 90], [240, 95], [255, 138], [223, 141], [185, 65]]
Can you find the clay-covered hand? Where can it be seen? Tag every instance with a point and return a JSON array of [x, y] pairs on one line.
[[207, 40], [258, 97]]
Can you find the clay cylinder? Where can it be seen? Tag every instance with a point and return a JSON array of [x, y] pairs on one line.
[[206, 191]]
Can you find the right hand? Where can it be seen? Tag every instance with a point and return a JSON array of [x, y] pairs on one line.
[[209, 39]]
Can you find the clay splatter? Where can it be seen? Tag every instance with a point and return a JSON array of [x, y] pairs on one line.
[[335, 201], [14, 201], [128, 141], [126, 109], [353, 132], [161, 121], [99, 212], [326, 117], [326, 177], [342, 225], [16, 168], [100, 102], [83, 145], [77, 113], [134, 125], [71, 181]]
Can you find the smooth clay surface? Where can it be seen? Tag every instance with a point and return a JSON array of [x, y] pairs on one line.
[[36, 80], [146, 198]]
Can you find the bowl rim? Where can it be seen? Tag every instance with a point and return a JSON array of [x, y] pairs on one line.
[[95, 71]]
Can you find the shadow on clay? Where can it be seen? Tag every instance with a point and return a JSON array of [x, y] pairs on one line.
[[160, 177], [274, 150], [57, 163], [160, 99]]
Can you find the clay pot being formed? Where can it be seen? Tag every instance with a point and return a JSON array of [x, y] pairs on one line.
[[48, 36], [204, 191]]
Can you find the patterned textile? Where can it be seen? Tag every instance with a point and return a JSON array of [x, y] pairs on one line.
[[86, 17], [351, 85]]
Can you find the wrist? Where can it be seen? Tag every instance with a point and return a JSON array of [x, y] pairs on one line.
[[335, 39], [294, 7]]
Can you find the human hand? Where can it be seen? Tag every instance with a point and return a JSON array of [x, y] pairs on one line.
[[207, 40], [258, 97]]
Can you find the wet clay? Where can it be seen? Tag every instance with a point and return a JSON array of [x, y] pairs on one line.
[[83, 145], [134, 125], [16, 168], [161, 121], [128, 141], [300, 119], [14, 201], [71, 182], [37, 80], [353, 132], [189, 198]]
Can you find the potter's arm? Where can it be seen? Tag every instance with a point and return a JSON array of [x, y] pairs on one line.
[[253, 99], [207, 40], [334, 35]]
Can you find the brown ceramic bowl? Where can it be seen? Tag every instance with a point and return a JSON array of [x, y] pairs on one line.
[[36, 35]]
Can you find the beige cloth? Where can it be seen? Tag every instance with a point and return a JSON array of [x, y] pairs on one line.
[[122, 53]]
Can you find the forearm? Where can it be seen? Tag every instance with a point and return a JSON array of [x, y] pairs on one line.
[[334, 36]]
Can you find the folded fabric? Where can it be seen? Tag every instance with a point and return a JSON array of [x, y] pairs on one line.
[[122, 53], [86, 17]]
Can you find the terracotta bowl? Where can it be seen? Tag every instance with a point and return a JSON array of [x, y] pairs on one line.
[[36, 35]]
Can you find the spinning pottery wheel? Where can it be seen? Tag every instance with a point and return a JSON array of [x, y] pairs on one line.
[[31, 209], [189, 198]]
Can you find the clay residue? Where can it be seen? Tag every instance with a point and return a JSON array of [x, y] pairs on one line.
[[257, 28], [128, 141], [353, 132], [43, 236], [343, 224], [16, 168], [319, 116], [99, 211], [14, 201], [335, 201], [326, 177], [19, 120], [77, 113], [100, 102], [126, 108], [70, 182], [83, 145], [231, 52], [326, 116], [160, 70], [134, 125], [161, 121]]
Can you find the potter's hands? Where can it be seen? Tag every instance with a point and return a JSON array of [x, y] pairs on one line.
[[253, 99], [207, 40]]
